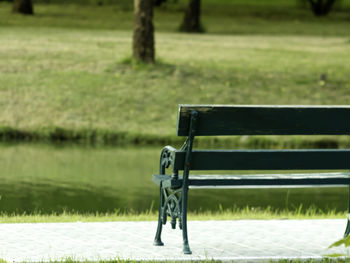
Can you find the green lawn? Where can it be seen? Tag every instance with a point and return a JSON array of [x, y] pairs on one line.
[[65, 73]]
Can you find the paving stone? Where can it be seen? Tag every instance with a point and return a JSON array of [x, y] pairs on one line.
[[239, 240]]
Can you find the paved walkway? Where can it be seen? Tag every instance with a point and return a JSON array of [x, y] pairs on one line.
[[240, 240]]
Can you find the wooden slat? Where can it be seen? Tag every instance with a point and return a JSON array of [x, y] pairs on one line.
[[265, 120], [328, 159], [258, 180], [282, 176], [271, 182], [261, 180]]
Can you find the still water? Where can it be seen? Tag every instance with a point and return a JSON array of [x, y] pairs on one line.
[[47, 179]]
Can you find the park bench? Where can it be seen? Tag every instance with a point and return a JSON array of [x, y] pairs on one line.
[[216, 120]]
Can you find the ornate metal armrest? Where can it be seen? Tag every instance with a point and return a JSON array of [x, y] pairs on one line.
[[167, 158]]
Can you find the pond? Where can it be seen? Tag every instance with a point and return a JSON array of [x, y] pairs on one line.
[[55, 178]]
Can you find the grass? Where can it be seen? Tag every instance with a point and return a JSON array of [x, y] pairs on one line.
[[66, 75], [67, 84], [248, 213]]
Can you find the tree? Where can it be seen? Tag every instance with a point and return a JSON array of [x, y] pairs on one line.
[[23, 7], [143, 38], [191, 22], [321, 7], [159, 2]]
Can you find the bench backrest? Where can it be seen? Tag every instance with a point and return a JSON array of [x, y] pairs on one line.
[[265, 120]]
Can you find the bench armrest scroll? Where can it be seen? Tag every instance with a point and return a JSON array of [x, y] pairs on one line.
[[167, 158]]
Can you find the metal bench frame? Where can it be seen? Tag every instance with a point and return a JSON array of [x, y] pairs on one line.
[[174, 188]]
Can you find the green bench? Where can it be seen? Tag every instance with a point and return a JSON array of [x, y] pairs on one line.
[[215, 120]]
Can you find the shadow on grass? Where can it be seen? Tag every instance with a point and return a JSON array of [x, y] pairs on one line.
[[158, 70], [128, 63]]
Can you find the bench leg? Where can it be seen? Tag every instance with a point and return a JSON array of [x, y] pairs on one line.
[[186, 247], [347, 229], [157, 239]]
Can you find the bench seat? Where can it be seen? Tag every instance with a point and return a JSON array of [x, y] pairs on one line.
[[258, 180]]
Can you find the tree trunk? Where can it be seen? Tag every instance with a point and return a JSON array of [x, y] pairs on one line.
[[23, 7], [191, 21], [143, 39], [159, 2], [321, 7]]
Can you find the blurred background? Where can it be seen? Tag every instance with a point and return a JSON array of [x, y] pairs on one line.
[[83, 116]]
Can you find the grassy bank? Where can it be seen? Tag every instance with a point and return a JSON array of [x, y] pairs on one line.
[[68, 84], [65, 77]]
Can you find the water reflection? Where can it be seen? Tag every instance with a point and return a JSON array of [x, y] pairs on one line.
[[54, 179]]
